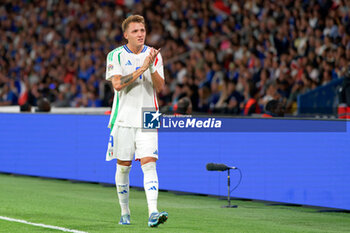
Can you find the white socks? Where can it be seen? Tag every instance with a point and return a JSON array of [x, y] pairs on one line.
[[150, 183], [122, 184]]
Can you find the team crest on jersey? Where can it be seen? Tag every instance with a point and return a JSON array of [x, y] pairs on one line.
[[110, 152], [110, 67]]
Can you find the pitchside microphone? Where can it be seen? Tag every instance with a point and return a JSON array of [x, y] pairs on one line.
[[218, 167]]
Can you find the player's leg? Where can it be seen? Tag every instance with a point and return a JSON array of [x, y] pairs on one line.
[[147, 152], [122, 185], [125, 149], [150, 182]]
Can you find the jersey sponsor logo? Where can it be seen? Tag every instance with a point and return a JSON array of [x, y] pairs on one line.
[[151, 119], [110, 67], [153, 188], [128, 63]]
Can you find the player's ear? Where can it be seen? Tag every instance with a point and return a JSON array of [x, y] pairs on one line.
[[125, 35]]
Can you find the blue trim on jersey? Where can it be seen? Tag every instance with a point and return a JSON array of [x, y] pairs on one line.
[[127, 49], [145, 47]]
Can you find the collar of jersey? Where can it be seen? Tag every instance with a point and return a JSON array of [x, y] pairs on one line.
[[129, 51]]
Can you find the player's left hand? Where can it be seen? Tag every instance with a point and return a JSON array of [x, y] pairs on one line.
[[148, 62], [153, 54]]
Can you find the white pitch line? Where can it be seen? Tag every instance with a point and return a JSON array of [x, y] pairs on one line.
[[40, 225]]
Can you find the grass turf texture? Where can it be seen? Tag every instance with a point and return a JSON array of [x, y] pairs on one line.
[[94, 208]]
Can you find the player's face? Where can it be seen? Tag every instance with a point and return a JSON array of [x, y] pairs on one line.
[[135, 34]]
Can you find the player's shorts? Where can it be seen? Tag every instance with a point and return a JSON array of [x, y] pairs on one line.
[[124, 142]]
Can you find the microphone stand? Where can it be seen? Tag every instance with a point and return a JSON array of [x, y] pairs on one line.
[[228, 192]]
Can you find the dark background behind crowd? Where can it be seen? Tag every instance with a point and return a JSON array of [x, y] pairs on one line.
[[228, 57]]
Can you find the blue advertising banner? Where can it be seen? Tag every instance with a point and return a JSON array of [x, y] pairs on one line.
[[309, 166]]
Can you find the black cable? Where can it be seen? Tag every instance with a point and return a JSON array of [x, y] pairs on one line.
[[240, 179]]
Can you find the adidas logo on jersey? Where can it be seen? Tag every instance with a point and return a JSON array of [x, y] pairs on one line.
[[128, 63]]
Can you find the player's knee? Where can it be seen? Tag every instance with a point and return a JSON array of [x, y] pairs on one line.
[[146, 160], [151, 166], [123, 163], [123, 169]]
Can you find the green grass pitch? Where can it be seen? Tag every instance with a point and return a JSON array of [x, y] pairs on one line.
[[94, 208]]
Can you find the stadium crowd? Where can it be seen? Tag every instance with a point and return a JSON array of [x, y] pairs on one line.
[[226, 56]]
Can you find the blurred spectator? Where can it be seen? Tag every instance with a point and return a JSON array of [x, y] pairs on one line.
[[43, 105], [57, 50], [184, 106], [8, 94], [252, 106], [215, 95], [25, 107], [274, 108], [344, 97]]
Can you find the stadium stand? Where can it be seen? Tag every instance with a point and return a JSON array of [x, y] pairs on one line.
[[213, 50]]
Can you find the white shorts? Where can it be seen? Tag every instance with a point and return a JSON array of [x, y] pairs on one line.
[[124, 142]]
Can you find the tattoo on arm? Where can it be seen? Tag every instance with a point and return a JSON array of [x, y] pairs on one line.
[[125, 79]]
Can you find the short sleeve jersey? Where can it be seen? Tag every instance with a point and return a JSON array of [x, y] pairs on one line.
[[129, 102]]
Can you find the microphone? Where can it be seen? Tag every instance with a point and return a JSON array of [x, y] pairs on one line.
[[218, 167]]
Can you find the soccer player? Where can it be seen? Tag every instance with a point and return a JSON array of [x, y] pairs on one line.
[[136, 72]]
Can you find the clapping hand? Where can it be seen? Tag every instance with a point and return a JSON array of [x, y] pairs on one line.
[[150, 58]]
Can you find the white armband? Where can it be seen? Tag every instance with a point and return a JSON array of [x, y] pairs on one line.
[[152, 68]]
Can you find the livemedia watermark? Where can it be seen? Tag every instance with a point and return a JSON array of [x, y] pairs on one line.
[[154, 120]]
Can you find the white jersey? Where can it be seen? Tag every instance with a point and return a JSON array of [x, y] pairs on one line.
[[128, 103]]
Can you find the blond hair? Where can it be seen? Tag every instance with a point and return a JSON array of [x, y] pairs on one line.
[[132, 19]]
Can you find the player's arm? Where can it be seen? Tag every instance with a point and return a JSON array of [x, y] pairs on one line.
[[119, 82], [157, 79]]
